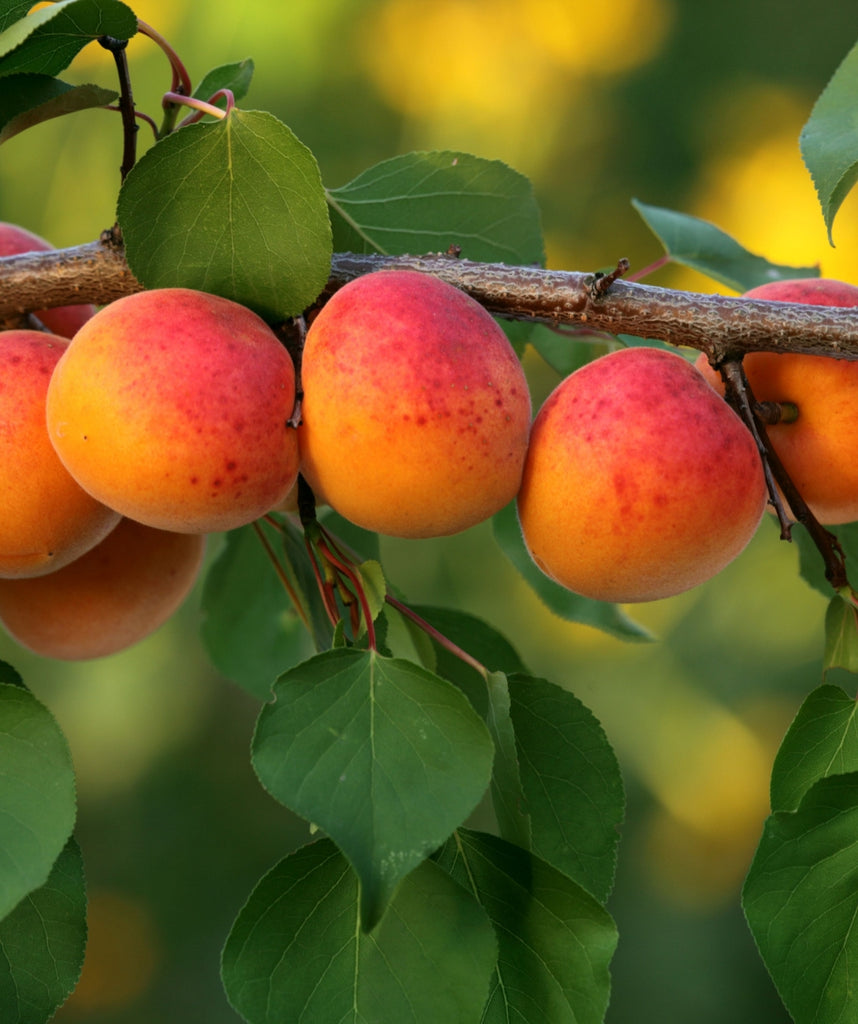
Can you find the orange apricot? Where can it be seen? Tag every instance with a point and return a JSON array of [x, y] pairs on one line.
[[818, 447], [46, 518], [171, 406], [416, 410], [640, 481], [108, 599], [61, 320]]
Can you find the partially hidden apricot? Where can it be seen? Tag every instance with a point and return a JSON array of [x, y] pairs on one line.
[[108, 599], [416, 409], [640, 481], [61, 320], [46, 518], [171, 406], [818, 448]]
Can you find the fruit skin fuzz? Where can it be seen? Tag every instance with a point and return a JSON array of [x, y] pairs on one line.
[[640, 481], [416, 410], [171, 406]]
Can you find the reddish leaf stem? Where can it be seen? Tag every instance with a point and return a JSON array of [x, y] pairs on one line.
[[281, 575], [436, 635]]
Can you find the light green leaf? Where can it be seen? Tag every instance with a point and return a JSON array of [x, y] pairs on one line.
[[250, 627], [13, 10], [26, 100], [47, 40], [42, 944], [37, 794], [700, 245], [822, 740], [555, 940], [383, 755], [829, 139], [571, 780], [235, 77], [608, 617], [426, 202], [510, 805], [801, 901], [841, 635], [235, 208], [296, 952]]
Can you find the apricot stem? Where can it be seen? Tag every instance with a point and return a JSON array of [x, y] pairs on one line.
[[202, 106], [181, 78], [126, 103], [771, 413]]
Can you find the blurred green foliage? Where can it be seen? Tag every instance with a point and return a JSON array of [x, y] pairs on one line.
[[695, 107]]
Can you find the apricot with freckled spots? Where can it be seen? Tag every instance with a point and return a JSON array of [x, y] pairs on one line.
[[171, 406], [640, 481], [46, 518], [416, 409]]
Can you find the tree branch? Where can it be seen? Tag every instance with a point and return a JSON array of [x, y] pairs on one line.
[[724, 327]]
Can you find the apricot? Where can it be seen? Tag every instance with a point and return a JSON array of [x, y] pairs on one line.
[[640, 482], [108, 599], [818, 448], [171, 407], [61, 320], [46, 518], [416, 409]]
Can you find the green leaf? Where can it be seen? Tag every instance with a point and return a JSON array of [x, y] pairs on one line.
[[296, 952], [829, 139], [801, 901], [250, 627], [700, 245], [841, 635], [822, 740], [555, 941], [508, 797], [235, 208], [811, 565], [236, 77], [37, 794], [571, 780], [48, 40], [383, 755], [42, 943], [10, 675], [13, 10], [426, 202], [26, 100], [608, 617]]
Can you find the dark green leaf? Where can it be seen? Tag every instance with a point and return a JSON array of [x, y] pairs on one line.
[[555, 940], [26, 100], [811, 565], [235, 208], [10, 675], [822, 740], [12, 10], [829, 140], [383, 755], [235, 77], [801, 901], [42, 943], [250, 627], [426, 202], [48, 40], [700, 245], [299, 571], [566, 350], [572, 783], [37, 794], [607, 617], [508, 799], [296, 952], [841, 635]]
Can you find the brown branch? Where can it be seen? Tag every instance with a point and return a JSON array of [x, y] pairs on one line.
[[724, 327]]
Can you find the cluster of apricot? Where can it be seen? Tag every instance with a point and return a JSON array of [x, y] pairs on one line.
[[129, 434]]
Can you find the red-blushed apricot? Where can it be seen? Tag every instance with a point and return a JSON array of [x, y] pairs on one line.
[[818, 448], [416, 410], [640, 481], [171, 406], [61, 320], [46, 518], [108, 599]]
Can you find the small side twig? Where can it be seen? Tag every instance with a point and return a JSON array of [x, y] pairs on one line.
[[602, 282]]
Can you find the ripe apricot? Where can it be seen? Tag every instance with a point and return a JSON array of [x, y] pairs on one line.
[[818, 448], [108, 599], [416, 409], [640, 482], [171, 406], [46, 518], [61, 320]]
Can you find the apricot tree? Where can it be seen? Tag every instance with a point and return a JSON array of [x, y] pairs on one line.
[[387, 738]]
